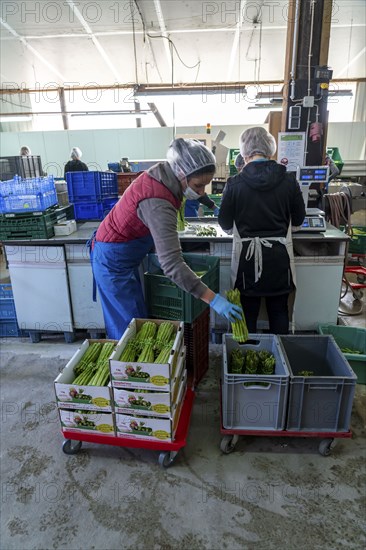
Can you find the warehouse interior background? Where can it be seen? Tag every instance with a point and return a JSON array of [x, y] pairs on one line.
[[122, 78], [97, 73]]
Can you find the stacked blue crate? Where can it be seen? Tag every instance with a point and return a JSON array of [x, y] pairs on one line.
[[27, 195], [93, 194], [8, 317]]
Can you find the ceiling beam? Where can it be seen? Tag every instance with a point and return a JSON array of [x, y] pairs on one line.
[[155, 111], [94, 39], [167, 87]]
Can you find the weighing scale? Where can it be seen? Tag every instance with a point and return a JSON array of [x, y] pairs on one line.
[[307, 176]]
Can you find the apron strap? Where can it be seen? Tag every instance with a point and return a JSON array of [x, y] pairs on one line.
[[255, 248], [90, 245]]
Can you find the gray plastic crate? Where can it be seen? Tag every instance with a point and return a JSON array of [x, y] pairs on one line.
[[248, 406], [322, 402]]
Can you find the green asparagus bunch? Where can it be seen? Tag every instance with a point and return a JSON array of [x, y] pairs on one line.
[[165, 352], [237, 361], [90, 356], [147, 353], [101, 377], [164, 335], [251, 362], [239, 326]]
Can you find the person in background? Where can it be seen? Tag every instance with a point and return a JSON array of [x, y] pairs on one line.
[[333, 168], [146, 216], [75, 164], [25, 151], [258, 205], [239, 162], [191, 207]]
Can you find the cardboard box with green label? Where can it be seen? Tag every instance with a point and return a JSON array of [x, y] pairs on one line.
[[145, 376], [152, 428], [71, 396]]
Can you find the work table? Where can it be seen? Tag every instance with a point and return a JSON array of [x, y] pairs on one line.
[[85, 230], [52, 278]]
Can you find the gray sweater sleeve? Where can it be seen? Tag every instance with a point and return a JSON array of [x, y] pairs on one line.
[[161, 218]]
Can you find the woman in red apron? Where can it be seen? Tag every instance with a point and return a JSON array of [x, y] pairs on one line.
[[146, 216]]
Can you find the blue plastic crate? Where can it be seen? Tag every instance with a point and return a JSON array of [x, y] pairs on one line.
[[93, 210], [7, 306], [27, 195], [9, 329], [89, 186]]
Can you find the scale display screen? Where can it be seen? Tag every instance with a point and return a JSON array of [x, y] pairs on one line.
[[313, 173], [313, 223]]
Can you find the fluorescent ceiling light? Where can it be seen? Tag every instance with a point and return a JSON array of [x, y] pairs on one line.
[[15, 118], [116, 113]]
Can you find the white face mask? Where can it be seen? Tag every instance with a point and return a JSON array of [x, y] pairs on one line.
[[190, 194]]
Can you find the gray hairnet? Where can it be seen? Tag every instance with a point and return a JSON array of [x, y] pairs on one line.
[[257, 141], [239, 162], [76, 153], [186, 156]]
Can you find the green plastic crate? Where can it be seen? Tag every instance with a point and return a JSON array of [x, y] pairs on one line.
[[353, 338], [165, 300], [233, 153], [333, 153], [358, 243], [33, 225]]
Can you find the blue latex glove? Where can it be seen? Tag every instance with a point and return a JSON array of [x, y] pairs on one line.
[[216, 211], [226, 309]]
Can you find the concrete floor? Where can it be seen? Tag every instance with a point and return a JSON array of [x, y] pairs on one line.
[[268, 494]]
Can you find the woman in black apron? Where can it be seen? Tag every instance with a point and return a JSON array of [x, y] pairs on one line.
[[258, 206]]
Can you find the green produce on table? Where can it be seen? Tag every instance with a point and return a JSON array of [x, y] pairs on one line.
[[353, 351], [237, 361], [239, 326], [200, 273], [357, 231], [205, 231], [305, 373]]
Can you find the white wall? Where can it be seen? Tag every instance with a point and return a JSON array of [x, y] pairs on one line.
[[102, 146]]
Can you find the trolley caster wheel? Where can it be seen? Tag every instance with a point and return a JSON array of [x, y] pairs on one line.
[[326, 446], [71, 447], [228, 443], [34, 336], [166, 458]]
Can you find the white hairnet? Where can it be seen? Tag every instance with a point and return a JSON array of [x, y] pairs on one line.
[[76, 153], [257, 141], [186, 156], [25, 151]]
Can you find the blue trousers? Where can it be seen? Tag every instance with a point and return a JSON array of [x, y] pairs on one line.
[[115, 269]]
